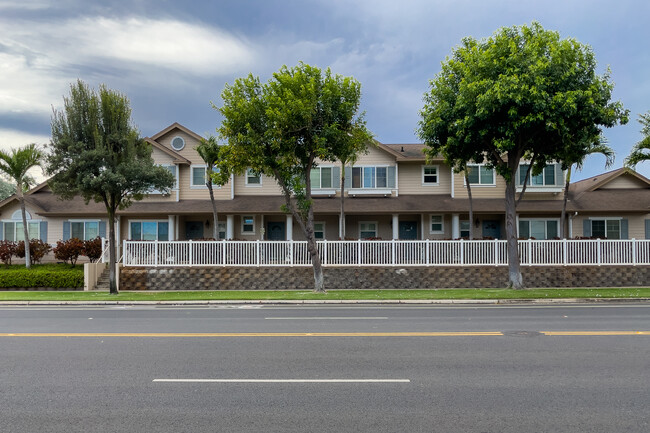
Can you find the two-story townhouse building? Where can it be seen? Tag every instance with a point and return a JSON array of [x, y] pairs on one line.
[[391, 192]]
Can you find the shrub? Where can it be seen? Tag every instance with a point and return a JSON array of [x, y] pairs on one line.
[[93, 249], [7, 250], [46, 276], [69, 251], [37, 249]]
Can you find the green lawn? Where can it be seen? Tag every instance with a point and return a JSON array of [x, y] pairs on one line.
[[330, 295]]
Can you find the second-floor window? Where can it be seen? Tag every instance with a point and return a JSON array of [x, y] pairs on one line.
[[323, 177], [480, 174], [252, 178], [546, 178], [173, 170], [430, 175], [373, 177], [199, 176]]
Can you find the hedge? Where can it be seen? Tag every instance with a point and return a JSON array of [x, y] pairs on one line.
[[51, 276]]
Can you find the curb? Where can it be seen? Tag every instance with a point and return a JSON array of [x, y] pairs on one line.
[[344, 302]]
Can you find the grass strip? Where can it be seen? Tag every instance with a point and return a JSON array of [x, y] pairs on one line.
[[368, 295]]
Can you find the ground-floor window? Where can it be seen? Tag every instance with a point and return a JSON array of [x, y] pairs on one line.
[[436, 225], [606, 228], [149, 230], [367, 229], [464, 229], [221, 230], [13, 231], [84, 230], [319, 230], [538, 228], [248, 225]]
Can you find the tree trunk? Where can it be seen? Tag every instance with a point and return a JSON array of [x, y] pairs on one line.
[[342, 215], [563, 224], [112, 253], [514, 271], [21, 199], [215, 228], [471, 207]]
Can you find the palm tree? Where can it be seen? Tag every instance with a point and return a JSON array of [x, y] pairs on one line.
[[598, 147], [15, 165], [210, 152], [641, 150]]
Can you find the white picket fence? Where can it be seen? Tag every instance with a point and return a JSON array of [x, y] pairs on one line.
[[385, 253]]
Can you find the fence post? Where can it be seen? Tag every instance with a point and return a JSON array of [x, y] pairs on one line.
[[291, 253], [223, 253], [598, 250], [462, 252], [324, 252], [359, 252], [123, 253], [257, 252], [496, 252], [190, 255], [633, 252], [155, 252], [565, 258], [427, 251], [392, 252]]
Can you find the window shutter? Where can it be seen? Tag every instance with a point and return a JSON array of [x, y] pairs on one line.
[[102, 229], [586, 228], [44, 231], [647, 229], [2, 229], [391, 177], [66, 230], [348, 177], [624, 231], [336, 177], [559, 175]]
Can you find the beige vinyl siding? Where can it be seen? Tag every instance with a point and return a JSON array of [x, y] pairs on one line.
[[410, 179], [384, 230], [331, 228], [375, 156], [187, 192], [188, 151], [625, 182], [160, 157], [635, 228], [269, 187]]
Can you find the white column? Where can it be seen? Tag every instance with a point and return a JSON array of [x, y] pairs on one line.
[[171, 225], [395, 226], [455, 226], [289, 227], [230, 226]]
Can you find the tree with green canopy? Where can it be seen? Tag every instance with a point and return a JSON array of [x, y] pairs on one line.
[[521, 94], [578, 160], [15, 165], [216, 173], [282, 128], [6, 189], [641, 151], [97, 153]]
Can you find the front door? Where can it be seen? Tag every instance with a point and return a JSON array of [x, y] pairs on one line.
[[193, 230], [408, 230], [275, 231], [491, 229]]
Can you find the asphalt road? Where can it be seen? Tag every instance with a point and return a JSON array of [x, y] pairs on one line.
[[325, 369]]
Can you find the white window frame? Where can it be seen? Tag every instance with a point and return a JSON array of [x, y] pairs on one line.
[[15, 222], [606, 220], [442, 224], [205, 175], [530, 178], [368, 222], [479, 184], [460, 227], [175, 187], [243, 219], [320, 177], [437, 182], [130, 237], [249, 174], [221, 225], [372, 188], [171, 143], [546, 220], [84, 221], [319, 222]]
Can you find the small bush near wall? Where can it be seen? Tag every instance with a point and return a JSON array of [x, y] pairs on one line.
[[42, 276], [37, 250]]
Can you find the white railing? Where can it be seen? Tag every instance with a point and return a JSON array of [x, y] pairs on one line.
[[385, 253]]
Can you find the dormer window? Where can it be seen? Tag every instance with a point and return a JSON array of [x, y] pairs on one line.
[[178, 143]]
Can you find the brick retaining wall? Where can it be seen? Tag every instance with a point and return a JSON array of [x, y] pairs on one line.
[[301, 278]]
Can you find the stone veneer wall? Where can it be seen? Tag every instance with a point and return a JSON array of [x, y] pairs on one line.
[[301, 278]]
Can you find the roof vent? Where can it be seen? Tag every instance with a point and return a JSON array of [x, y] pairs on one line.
[[402, 149]]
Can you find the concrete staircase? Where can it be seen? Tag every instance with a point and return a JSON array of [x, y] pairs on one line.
[[103, 281]]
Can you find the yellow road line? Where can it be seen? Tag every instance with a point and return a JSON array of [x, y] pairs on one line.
[[257, 334]]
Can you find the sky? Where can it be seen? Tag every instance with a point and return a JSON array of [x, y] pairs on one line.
[[172, 58]]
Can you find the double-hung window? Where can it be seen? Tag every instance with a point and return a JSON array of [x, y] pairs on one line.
[[429, 175], [199, 176], [606, 228], [546, 178], [248, 225], [436, 224], [480, 174], [319, 230], [252, 178], [367, 229], [464, 229], [538, 228], [149, 230]]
